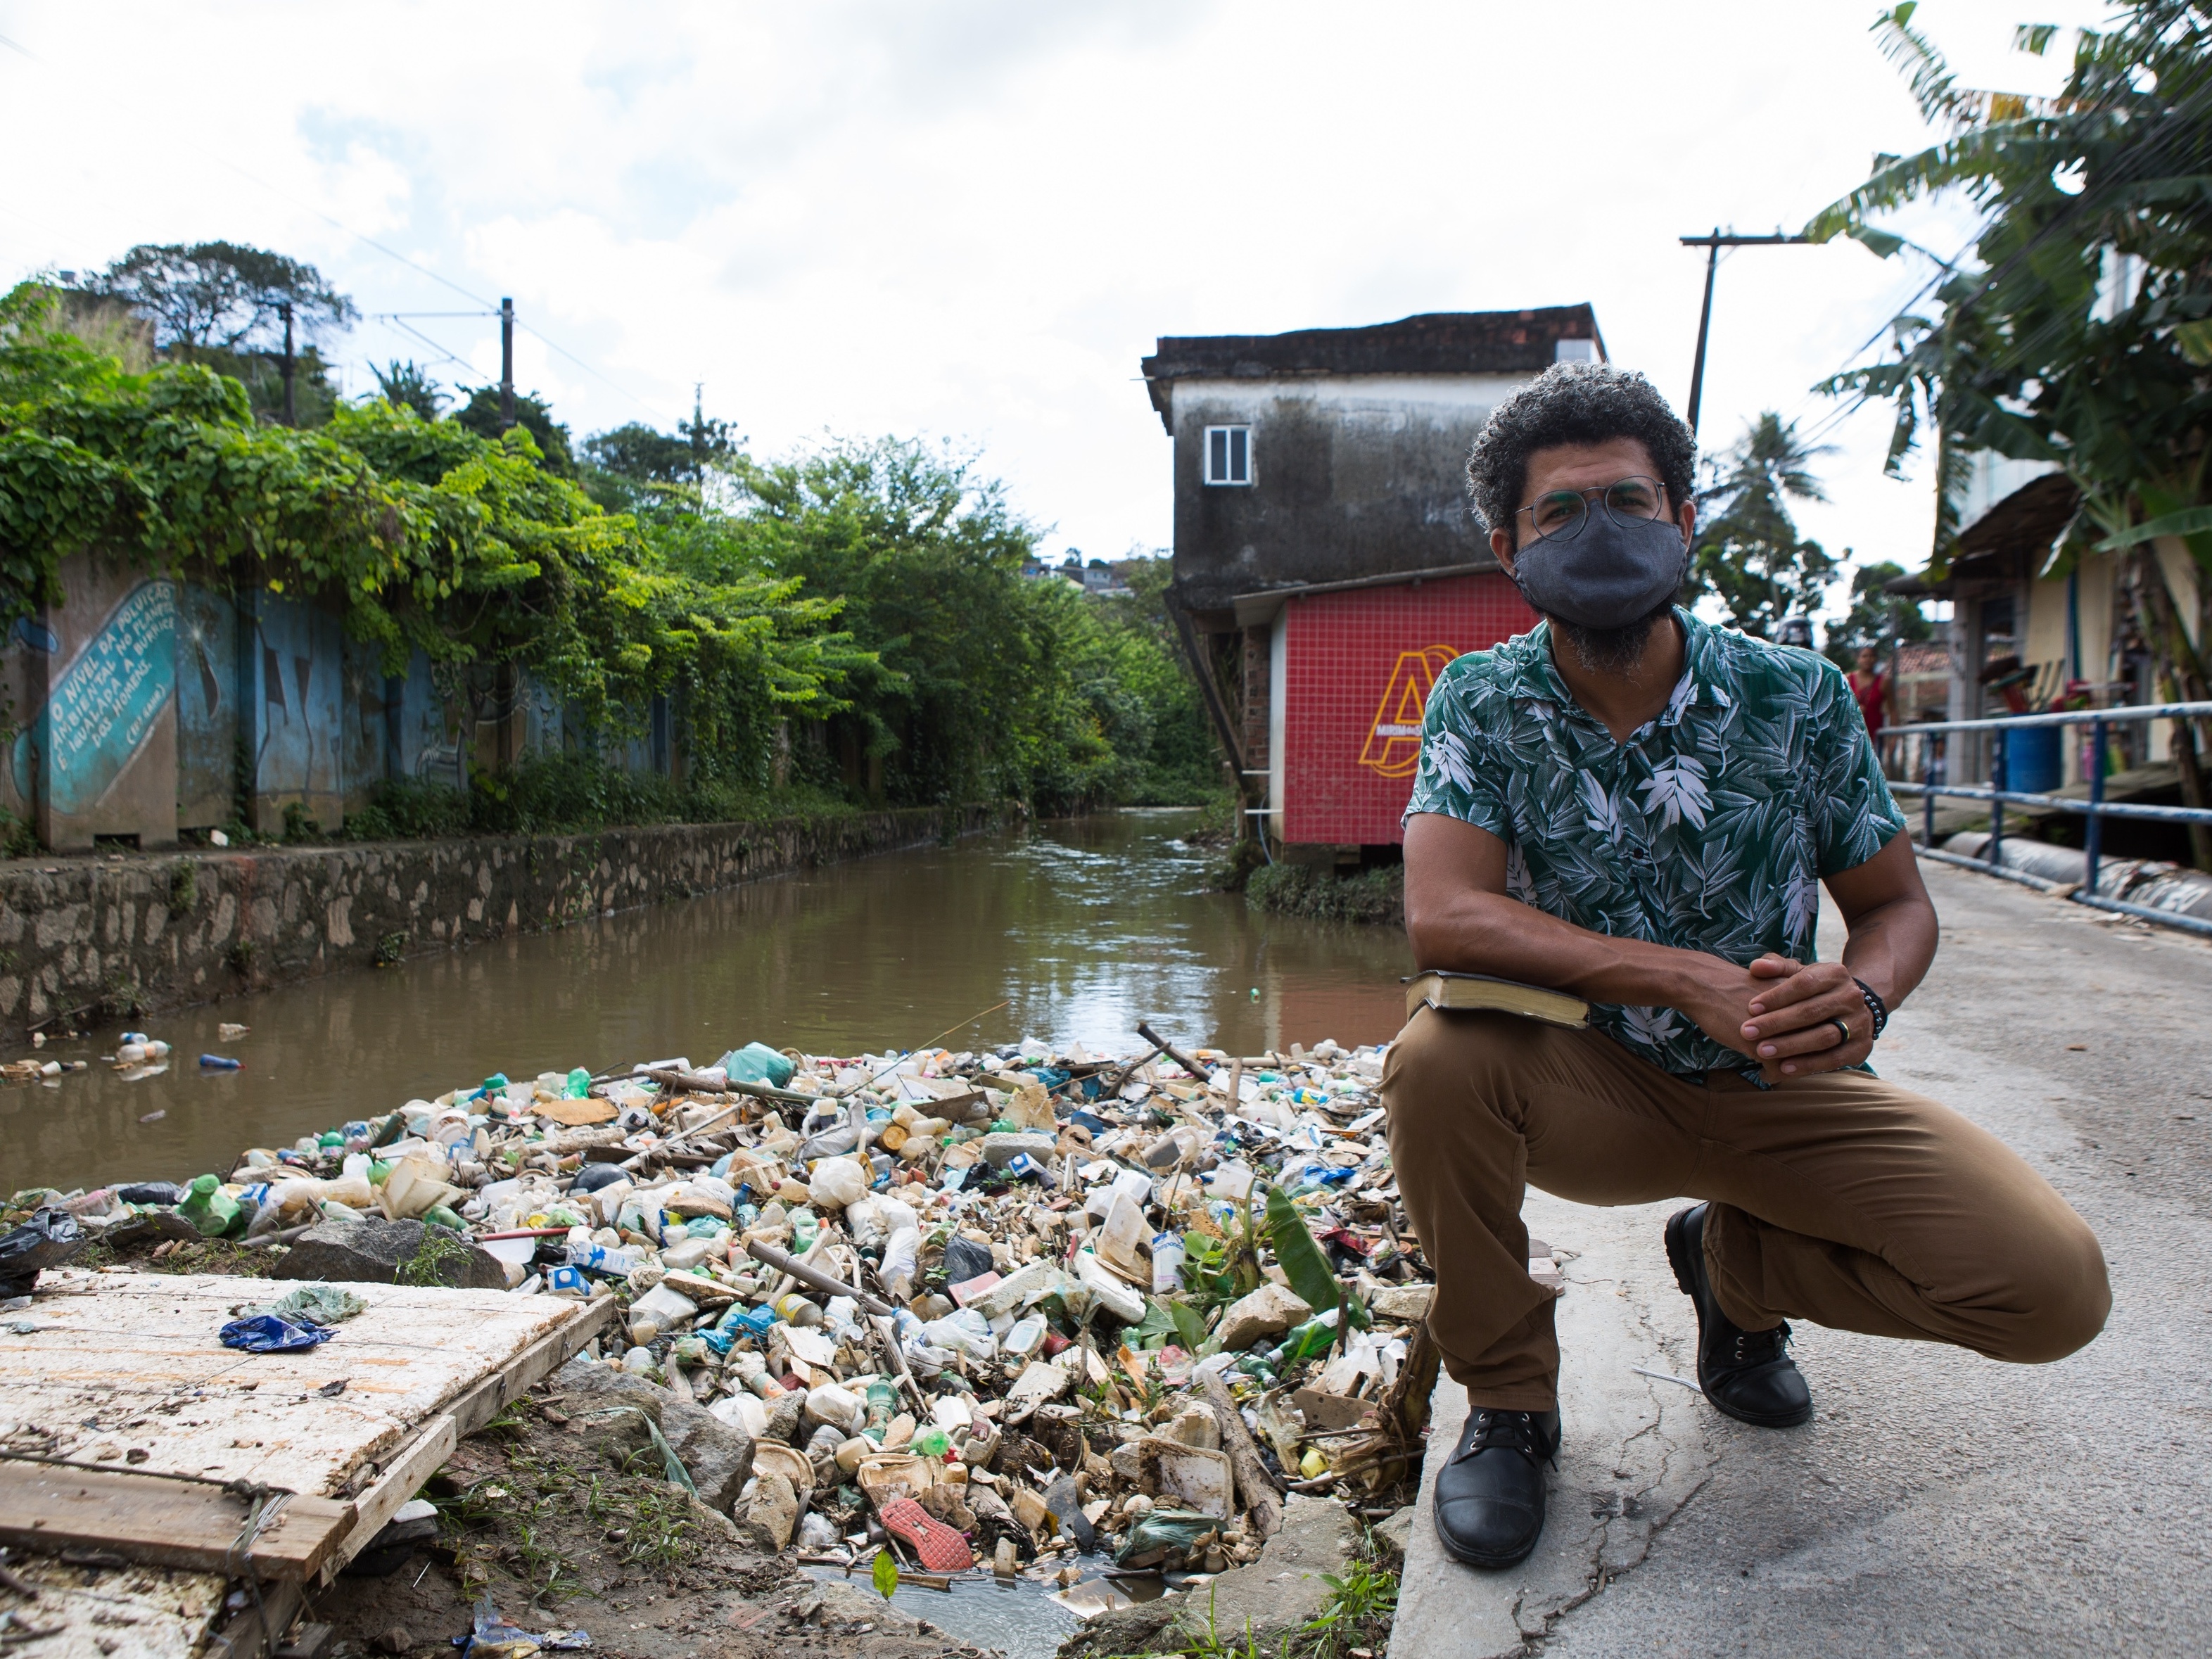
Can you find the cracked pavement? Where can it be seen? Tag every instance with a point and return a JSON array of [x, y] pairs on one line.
[[1938, 1503]]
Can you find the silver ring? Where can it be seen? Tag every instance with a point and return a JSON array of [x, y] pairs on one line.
[[1842, 1030]]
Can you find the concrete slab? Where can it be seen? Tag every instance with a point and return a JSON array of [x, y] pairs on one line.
[[1634, 1449]]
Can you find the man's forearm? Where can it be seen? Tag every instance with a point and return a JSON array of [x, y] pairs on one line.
[[1485, 932], [1890, 948]]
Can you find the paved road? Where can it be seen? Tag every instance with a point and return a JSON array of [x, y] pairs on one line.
[[1939, 1502]]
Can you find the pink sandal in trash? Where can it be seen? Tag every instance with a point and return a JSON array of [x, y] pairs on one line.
[[941, 1547]]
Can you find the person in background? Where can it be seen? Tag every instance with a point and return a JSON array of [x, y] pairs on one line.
[[1871, 687]]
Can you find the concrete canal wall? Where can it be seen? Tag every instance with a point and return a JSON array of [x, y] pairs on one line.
[[103, 937]]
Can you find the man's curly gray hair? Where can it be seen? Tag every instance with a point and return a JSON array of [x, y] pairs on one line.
[[1587, 403]]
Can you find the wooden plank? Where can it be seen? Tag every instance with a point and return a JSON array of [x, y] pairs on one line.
[[167, 1523], [532, 1366], [117, 1364], [245, 1636], [402, 1478]]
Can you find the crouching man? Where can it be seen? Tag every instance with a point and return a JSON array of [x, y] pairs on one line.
[[1627, 804]]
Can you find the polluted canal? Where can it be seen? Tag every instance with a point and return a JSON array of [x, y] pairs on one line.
[[1082, 927], [1095, 1317]]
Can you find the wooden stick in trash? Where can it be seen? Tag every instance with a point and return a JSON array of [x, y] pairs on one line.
[[1172, 1052], [1112, 1086], [827, 1284], [1253, 1484], [698, 1084]]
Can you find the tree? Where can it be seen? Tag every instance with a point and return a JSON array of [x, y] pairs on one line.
[[222, 296], [481, 416], [2078, 328], [408, 385], [1876, 618], [1748, 553], [643, 454]]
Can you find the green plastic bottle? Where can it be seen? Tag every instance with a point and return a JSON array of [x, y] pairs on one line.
[[208, 1207], [579, 1085], [883, 1406]]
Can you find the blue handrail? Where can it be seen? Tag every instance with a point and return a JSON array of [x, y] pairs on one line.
[[2095, 809]]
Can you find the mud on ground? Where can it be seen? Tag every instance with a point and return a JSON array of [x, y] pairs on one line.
[[567, 1526]]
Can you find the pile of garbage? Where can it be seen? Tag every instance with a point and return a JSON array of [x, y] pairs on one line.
[[997, 1307]]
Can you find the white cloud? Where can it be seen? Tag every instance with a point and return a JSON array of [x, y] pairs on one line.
[[972, 219]]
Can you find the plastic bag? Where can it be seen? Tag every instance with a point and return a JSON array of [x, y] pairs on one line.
[[758, 1063], [837, 1181], [268, 1333], [964, 1259], [49, 1238], [312, 1304], [898, 1269], [1169, 1531], [964, 1330]]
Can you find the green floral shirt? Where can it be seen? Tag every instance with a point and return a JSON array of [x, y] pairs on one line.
[[1709, 829]]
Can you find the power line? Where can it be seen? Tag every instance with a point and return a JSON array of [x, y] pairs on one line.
[[393, 253]]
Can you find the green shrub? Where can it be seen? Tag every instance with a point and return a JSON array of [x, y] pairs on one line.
[[1296, 889]]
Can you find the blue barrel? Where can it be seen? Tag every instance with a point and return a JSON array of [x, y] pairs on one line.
[[2032, 759]]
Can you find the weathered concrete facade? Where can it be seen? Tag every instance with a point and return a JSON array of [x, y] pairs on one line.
[[90, 936], [1312, 470], [1353, 443]]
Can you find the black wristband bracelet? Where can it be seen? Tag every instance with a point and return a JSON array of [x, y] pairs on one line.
[[1876, 1006]]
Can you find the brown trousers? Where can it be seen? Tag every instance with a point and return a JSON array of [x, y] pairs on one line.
[[1841, 1200]]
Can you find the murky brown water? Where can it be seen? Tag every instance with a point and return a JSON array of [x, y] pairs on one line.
[[1087, 927]]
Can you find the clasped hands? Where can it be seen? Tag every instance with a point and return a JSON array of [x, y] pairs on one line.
[[1785, 1014]]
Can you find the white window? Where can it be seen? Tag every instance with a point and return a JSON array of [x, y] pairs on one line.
[[1229, 455], [1574, 351]]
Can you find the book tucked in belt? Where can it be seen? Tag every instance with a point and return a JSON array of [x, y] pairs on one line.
[[1445, 991]]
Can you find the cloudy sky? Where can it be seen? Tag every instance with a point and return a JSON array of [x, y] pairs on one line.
[[969, 219]]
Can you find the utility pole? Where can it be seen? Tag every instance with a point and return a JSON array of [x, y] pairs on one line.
[[698, 433], [506, 364], [1713, 244], [291, 410]]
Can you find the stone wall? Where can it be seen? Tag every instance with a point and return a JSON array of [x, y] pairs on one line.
[[104, 937]]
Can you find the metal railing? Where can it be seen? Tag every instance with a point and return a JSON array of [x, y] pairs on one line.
[[2096, 809]]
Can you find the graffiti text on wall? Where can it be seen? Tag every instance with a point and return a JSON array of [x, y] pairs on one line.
[[108, 700]]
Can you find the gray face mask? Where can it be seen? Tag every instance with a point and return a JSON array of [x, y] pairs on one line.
[[1609, 576]]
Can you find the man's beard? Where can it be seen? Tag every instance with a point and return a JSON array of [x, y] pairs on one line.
[[1610, 651]]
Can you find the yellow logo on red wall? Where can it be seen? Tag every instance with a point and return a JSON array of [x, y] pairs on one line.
[[1393, 736]]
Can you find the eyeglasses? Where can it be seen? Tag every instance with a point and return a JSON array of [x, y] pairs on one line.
[[1560, 514]]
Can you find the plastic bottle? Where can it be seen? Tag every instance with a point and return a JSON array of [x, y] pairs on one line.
[[841, 1317], [616, 1260], [220, 1063], [798, 1310], [208, 1207], [1167, 1263], [804, 1226], [883, 1406], [752, 1371], [579, 1085]]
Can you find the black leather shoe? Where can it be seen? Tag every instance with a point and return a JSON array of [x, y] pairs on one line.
[[1746, 1374], [1490, 1496]]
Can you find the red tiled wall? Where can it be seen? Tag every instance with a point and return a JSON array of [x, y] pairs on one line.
[[1358, 664]]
